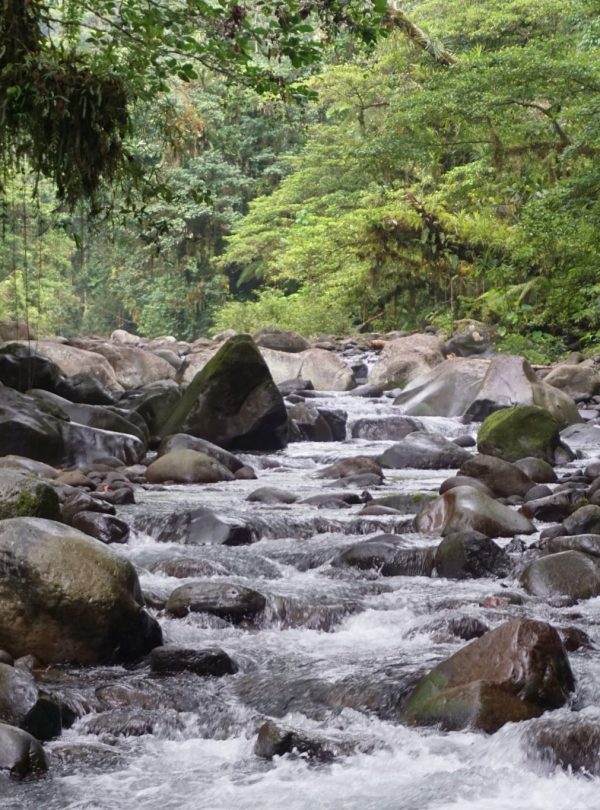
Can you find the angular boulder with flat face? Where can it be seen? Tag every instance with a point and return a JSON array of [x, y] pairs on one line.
[[515, 672], [65, 597], [233, 402], [423, 451], [466, 508]]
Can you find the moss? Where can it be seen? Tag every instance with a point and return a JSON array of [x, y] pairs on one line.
[[32, 501], [518, 432]]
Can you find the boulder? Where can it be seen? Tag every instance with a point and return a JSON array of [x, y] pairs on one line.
[[405, 358], [389, 555], [106, 528], [585, 520], [448, 389], [311, 425], [538, 470], [233, 402], [583, 440], [464, 481], [519, 431], [24, 495], [271, 495], [569, 573], [16, 330], [187, 467], [135, 367], [469, 555], [511, 381], [275, 741], [582, 378], [72, 361], [28, 465], [549, 508], [571, 742], [26, 430], [501, 477], [21, 755], [171, 659], [586, 543], [423, 451], [181, 441], [125, 337], [325, 370], [84, 445], [280, 340], [380, 428], [154, 403], [22, 368], [465, 508], [66, 597], [348, 467], [471, 338], [232, 602], [514, 672]]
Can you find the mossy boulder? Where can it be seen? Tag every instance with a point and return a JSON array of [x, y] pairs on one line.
[[468, 555], [24, 495], [514, 672], [65, 597], [517, 432], [233, 401]]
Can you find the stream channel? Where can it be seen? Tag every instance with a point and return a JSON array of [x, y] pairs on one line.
[[333, 655]]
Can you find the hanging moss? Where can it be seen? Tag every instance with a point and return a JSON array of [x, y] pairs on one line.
[[59, 116]]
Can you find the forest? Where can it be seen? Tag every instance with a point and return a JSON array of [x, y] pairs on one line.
[[327, 168]]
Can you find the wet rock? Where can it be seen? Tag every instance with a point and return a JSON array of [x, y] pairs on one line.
[[275, 741], [73, 361], [585, 520], [405, 358], [571, 742], [586, 543], [66, 597], [327, 501], [467, 627], [106, 528], [582, 440], [272, 495], [537, 491], [153, 404], [6, 658], [20, 753], [23, 495], [170, 658], [465, 508], [135, 367], [391, 428], [514, 672], [466, 440], [537, 469], [26, 430], [326, 370], [467, 555], [501, 477], [389, 555], [513, 433], [551, 508], [405, 503], [358, 465], [312, 427], [575, 639], [232, 602], [294, 386], [281, 340], [358, 480], [82, 502], [568, 573], [423, 451], [181, 441], [131, 723], [187, 467], [183, 567], [464, 481], [367, 391], [28, 465], [245, 473], [336, 420], [195, 527], [377, 509], [72, 757], [233, 401]]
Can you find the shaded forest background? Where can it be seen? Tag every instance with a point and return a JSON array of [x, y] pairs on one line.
[[387, 188]]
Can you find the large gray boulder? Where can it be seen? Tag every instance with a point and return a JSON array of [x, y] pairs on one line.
[[26, 430], [181, 441], [423, 451], [473, 388], [65, 597], [281, 340], [514, 672], [581, 378], [223, 599], [326, 370], [135, 367], [501, 477], [406, 358], [72, 361], [466, 508], [233, 402]]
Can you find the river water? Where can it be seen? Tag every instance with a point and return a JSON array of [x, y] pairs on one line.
[[334, 655]]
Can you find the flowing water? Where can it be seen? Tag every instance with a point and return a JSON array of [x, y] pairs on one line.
[[334, 654]]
